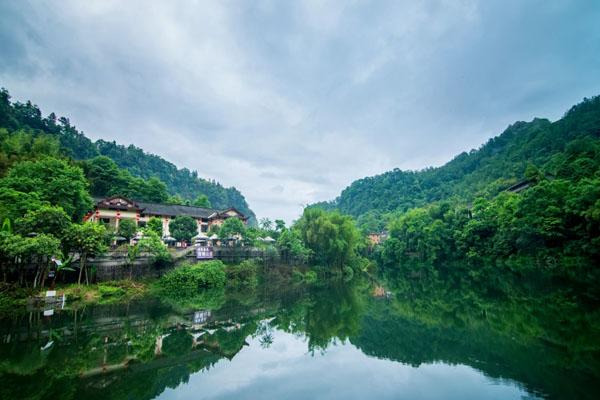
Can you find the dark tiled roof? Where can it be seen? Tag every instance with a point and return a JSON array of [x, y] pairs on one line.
[[175, 210], [172, 209]]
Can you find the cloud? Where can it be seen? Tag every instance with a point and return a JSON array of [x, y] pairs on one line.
[[290, 102]]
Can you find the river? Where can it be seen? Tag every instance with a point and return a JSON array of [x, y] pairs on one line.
[[334, 340]]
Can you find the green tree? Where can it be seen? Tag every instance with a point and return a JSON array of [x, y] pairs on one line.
[[89, 240], [183, 228], [332, 237], [279, 225], [151, 243], [105, 177], [176, 200], [202, 201], [291, 247], [22, 250], [133, 252], [46, 219], [266, 224], [127, 228], [232, 226], [54, 181], [155, 224]]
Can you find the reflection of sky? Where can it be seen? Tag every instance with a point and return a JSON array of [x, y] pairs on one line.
[[287, 371]]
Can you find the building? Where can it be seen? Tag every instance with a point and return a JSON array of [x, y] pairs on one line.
[[111, 210], [376, 238], [520, 186]]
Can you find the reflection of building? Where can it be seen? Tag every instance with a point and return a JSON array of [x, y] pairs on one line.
[[377, 238], [111, 210]]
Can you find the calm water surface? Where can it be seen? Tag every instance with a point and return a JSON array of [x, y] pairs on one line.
[[281, 341]]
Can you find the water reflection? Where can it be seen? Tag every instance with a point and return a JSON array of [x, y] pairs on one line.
[[282, 341]]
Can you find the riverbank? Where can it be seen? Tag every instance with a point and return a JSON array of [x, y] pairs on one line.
[[235, 277], [13, 298]]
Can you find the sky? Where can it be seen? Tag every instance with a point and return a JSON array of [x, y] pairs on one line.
[[290, 101]]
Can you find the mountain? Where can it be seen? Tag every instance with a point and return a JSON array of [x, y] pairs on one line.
[[486, 171], [17, 116]]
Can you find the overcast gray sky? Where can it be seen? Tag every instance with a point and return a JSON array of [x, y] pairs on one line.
[[290, 101]]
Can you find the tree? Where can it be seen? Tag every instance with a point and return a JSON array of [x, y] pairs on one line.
[[133, 252], [46, 219], [266, 224], [151, 243], [54, 181], [183, 228], [87, 239], [155, 225], [127, 228], [279, 225], [202, 201], [22, 250], [291, 247], [231, 226], [105, 177], [332, 237], [176, 200]]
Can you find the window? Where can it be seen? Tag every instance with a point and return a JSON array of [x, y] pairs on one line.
[[204, 228], [105, 220]]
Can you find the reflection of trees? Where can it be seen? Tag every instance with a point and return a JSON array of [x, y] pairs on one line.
[[420, 324], [331, 312], [542, 345]]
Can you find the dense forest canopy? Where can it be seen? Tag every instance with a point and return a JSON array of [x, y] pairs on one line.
[[133, 172], [486, 171]]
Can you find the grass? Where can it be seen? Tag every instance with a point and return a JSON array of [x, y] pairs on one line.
[[105, 292]]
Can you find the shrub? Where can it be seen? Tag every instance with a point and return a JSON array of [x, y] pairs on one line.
[[187, 279], [348, 273], [297, 276], [110, 291], [243, 274], [310, 277]]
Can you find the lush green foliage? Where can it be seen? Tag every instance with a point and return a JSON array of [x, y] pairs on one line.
[[459, 221], [183, 228], [202, 201], [502, 161], [550, 230], [52, 220], [291, 246], [242, 274], [231, 227], [88, 240], [332, 237], [187, 279], [25, 135], [151, 243], [155, 225], [127, 228], [107, 179], [48, 180]]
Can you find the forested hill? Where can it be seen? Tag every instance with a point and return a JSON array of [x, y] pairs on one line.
[[486, 171], [182, 184]]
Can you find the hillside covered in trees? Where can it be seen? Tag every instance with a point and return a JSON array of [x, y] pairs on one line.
[[463, 222], [484, 172], [111, 168]]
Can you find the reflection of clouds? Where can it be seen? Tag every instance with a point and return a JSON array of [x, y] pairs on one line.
[[287, 371]]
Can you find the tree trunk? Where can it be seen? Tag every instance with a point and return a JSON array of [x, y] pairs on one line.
[[81, 267], [44, 276], [35, 277]]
